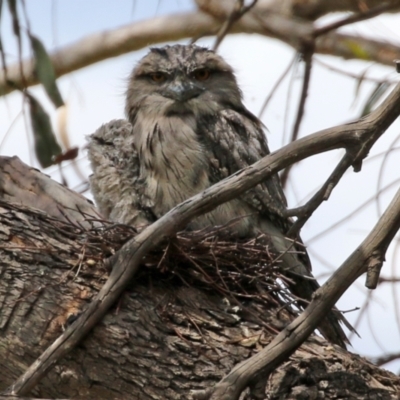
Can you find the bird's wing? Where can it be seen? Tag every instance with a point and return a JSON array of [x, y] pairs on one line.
[[115, 182], [235, 141]]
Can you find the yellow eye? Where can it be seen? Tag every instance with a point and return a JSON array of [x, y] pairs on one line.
[[158, 77], [201, 74]]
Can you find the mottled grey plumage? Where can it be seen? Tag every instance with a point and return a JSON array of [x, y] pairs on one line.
[[115, 182], [189, 130]]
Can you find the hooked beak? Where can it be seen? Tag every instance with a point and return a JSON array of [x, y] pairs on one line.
[[183, 91]]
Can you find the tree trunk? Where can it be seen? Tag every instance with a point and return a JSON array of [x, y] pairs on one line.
[[164, 338]]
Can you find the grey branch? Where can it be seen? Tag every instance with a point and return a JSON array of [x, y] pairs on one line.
[[101, 46]]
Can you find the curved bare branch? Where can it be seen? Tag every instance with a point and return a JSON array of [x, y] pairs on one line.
[[101, 46]]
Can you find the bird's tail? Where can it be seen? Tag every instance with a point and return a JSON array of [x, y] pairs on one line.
[[304, 284], [303, 287]]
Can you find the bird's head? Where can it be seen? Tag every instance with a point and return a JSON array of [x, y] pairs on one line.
[[181, 80]]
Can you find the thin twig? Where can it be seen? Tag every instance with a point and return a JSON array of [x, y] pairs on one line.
[[356, 17], [352, 74], [307, 57], [387, 358], [381, 172], [304, 213], [352, 214], [238, 11], [395, 293], [277, 84]]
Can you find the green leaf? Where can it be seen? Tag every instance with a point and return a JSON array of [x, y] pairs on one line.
[[2, 55], [357, 50], [359, 82], [45, 71], [46, 146], [380, 89], [12, 6]]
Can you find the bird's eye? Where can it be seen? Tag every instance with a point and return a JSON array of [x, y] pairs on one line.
[[158, 77], [201, 74]]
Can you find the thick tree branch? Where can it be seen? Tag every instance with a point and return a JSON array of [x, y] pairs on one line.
[[357, 17], [27, 186], [107, 44], [318, 8], [307, 9], [356, 137]]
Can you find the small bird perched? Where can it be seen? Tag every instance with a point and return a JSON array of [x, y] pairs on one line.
[[188, 129]]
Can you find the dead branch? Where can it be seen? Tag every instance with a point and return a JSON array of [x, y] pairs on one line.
[[303, 213], [307, 55], [239, 10], [316, 9], [357, 17], [310, 10], [386, 358], [100, 46]]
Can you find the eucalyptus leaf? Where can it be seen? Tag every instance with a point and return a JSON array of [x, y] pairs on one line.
[[379, 90], [359, 82], [358, 50], [45, 71], [12, 6], [46, 145]]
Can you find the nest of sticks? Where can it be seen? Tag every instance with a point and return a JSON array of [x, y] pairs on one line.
[[239, 270]]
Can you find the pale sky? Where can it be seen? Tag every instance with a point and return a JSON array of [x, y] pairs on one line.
[[95, 95]]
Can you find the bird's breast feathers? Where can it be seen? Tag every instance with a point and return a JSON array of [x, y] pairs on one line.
[[175, 166], [173, 162]]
